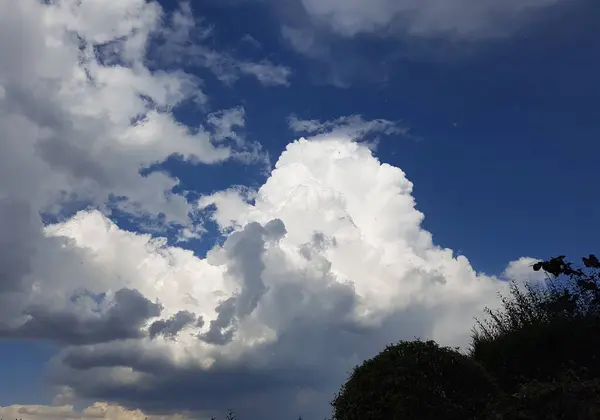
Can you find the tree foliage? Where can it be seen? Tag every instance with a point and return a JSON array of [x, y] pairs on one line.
[[542, 331], [567, 397], [415, 380]]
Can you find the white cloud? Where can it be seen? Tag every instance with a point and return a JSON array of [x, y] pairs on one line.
[[463, 19], [251, 40], [67, 412], [226, 124], [522, 269], [266, 73], [70, 108], [66, 116]]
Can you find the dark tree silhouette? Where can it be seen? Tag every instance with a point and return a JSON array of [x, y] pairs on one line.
[[415, 380], [542, 331], [567, 397]]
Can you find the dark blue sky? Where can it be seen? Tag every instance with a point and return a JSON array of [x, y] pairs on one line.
[[505, 132], [503, 149]]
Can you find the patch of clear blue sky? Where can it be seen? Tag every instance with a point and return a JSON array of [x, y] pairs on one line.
[[507, 161], [23, 367]]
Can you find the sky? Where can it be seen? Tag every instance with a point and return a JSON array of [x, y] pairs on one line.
[[230, 203]]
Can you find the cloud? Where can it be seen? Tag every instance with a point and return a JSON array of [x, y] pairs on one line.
[[352, 126], [251, 40], [522, 270], [225, 124], [82, 112], [88, 319], [326, 263], [177, 49], [83, 109], [460, 19], [67, 412], [244, 249], [353, 42], [67, 108], [172, 326]]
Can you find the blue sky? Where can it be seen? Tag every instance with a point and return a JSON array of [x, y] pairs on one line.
[[492, 115], [499, 135]]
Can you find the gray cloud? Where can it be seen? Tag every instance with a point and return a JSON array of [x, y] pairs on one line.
[[17, 244], [265, 383], [244, 251], [169, 328], [316, 323], [123, 319], [223, 327]]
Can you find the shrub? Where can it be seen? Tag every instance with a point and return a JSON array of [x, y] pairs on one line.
[[415, 380], [567, 397], [541, 332]]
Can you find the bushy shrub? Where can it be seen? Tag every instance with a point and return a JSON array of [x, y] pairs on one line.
[[415, 380]]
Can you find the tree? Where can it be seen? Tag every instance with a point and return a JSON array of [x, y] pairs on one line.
[[542, 331], [415, 380], [568, 397]]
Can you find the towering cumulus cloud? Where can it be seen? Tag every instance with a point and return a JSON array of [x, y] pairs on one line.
[[318, 269], [325, 265]]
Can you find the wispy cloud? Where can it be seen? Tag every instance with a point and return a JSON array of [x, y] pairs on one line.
[[352, 126], [184, 42], [351, 42], [463, 19]]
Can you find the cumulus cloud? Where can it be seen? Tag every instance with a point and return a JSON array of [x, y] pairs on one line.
[[67, 116], [94, 411], [522, 270], [326, 263], [82, 112]]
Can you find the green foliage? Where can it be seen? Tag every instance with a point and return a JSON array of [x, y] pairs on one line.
[[543, 331], [415, 380]]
